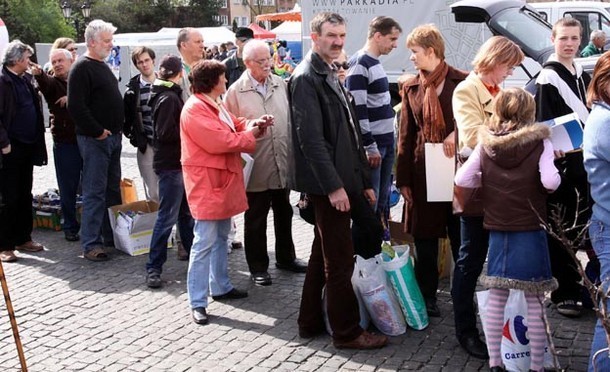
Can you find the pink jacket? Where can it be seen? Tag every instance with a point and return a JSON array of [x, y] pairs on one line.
[[211, 160]]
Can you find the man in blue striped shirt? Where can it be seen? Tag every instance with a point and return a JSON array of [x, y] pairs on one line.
[[368, 83]]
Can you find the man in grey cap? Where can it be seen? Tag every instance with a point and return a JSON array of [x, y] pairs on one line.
[[235, 63]]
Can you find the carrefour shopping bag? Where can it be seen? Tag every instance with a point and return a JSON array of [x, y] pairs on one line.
[[515, 347], [401, 273], [378, 297]]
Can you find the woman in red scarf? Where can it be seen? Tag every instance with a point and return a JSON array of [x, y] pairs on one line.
[[427, 117]]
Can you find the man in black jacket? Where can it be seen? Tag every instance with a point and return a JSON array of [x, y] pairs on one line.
[[68, 162], [561, 89], [138, 117], [22, 145], [331, 167], [166, 103], [235, 63]]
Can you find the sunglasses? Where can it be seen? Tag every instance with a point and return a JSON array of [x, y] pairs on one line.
[[73, 49], [343, 65]]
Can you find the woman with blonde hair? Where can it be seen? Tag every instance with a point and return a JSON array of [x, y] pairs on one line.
[[513, 164], [427, 117], [472, 105]]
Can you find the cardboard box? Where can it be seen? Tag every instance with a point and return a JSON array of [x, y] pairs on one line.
[[132, 234], [47, 218]]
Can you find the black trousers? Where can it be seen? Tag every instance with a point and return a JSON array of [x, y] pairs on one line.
[[367, 230], [255, 228], [331, 264], [16, 177]]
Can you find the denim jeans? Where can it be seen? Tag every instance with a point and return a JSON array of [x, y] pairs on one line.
[[101, 187], [599, 232], [68, 168], [208, 264], [471, 257], [381, 178], [172, 208]]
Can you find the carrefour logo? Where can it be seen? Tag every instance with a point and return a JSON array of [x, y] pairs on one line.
[[519, 330]]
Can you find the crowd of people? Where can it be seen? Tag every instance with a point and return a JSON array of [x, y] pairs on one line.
[[328, 132]]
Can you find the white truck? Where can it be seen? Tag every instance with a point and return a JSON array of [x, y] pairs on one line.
[[462, 40], [465, 25]]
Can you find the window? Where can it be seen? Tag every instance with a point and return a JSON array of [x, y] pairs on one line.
[[590, 22], [223, 4], [222, 19], [244, 21]]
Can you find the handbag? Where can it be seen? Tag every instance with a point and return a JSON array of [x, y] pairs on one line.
[[306, 210], [467, 202]]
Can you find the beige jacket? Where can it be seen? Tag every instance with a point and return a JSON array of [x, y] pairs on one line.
[[472, 105], [271, 155]]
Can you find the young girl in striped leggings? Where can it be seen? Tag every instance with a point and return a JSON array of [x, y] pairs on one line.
[[513, 164]]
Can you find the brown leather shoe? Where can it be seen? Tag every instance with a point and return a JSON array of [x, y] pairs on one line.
[[8, 256], [30, 246], [183, 255], [365, 341]]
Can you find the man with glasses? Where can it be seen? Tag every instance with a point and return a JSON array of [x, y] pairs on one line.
[[138, 125], [235, 63], [258, 92]]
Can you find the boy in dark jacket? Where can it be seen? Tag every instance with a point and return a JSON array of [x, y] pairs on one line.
[[166, 103]]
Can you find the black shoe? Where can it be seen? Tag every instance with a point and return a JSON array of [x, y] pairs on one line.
[[233, 294], [236, 245], [296, 266], [497, 369], [153, 280], [475, 347], [569, 308], [199, 315], [432, 308], [71, 237], [310, 333], [183, 255], [262, 278]]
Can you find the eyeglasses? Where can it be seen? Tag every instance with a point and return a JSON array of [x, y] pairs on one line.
[[264, 61], [73, 49], [339, 65]]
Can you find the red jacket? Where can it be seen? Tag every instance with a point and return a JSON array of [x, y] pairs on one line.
[[211, 160]]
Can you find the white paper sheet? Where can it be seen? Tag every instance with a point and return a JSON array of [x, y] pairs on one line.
[[440, 171]]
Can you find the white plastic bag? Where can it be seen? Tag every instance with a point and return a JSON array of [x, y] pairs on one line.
[[515, 348], [378, 297]]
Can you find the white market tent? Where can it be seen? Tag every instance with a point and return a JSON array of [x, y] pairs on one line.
[[211, 35], [289, 31]]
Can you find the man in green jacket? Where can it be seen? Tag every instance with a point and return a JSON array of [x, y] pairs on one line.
[[596, 45]]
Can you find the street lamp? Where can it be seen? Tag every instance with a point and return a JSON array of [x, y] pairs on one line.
[[66, 9]]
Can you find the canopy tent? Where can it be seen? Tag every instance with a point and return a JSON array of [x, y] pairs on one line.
[[293, 15], [261, 33], [211, 35], [289, 31]]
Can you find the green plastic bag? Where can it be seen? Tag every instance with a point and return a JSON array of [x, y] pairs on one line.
[[402, 276]]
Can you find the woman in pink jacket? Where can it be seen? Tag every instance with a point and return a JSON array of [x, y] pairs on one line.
[[212, 140]]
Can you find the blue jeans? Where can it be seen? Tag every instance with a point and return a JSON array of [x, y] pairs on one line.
[[101, 187], [173, 208], [381, 178], [471, 257], [68, 168], [599, 233], [208, 267]]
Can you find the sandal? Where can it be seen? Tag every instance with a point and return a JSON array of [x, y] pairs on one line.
[[96, 254]]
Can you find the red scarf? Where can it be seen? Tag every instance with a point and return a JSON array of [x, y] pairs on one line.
[[434, 122]]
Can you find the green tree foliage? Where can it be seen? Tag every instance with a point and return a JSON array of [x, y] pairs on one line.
[[34, 21], [41, 21]]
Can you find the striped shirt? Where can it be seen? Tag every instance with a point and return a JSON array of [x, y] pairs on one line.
[[145, 88], [368, 84]]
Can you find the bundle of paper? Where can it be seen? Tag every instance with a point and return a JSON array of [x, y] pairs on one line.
[[567, 132]]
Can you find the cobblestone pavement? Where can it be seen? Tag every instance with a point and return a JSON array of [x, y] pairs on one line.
[[78, 315]]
